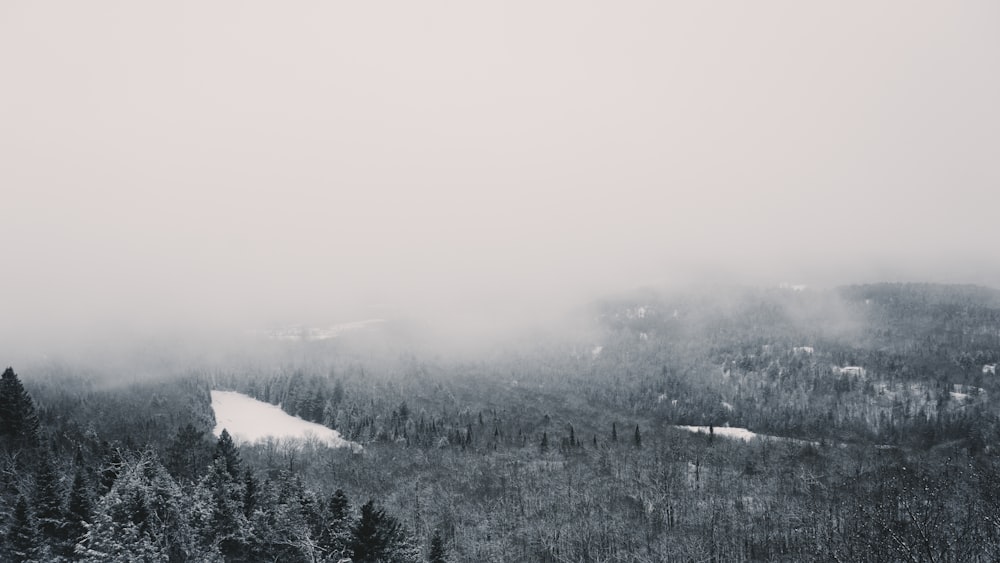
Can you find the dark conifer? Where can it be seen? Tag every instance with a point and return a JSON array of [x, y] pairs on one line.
[[18, 419], [339, 507], [226, 450], [79, 513], [374, 535], [22, 537], [250, 493], [437, 552], [48, 503]]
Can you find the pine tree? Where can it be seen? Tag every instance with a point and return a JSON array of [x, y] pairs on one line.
[[22, 538], [226, 450], [637, 438], [437, 552], [48, 506], [544, 446], [250, 492], [188, 453], [339, 507], [374, 536], [228, 524], [79, 513], [18, 419], [614, 432], [144, 517], [336, 534]]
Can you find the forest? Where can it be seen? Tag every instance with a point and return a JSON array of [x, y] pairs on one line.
[[875, 439]]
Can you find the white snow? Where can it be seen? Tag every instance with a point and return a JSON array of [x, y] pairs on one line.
[[959, 396], [596, 351], [727, 406], [723, 431], [741, 434], [249, 420]]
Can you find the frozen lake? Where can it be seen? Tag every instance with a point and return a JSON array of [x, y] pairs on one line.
[[249, 420]]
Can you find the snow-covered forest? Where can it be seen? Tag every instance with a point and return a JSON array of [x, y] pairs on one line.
[[716, 424]]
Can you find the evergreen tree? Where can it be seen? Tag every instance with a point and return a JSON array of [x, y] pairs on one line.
[[22, 538], [544, 446], [614, 432], [188, 453], [437, 552], [48, 506], [228, 524], [339, 507], [335, 538], [375, 537], [18, 419], [637, 438], [226, 450], [79, 513], [250, 492]]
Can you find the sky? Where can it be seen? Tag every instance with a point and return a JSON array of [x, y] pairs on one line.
[[262, 162]]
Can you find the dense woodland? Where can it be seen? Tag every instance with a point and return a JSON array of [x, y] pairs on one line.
[[559, 449]]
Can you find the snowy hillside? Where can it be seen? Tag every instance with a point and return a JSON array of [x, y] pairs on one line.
[[250, 420]]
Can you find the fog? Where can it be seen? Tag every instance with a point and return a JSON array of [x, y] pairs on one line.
[[483, 166]]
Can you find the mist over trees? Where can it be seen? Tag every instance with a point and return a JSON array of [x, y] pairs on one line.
[[872, 405]]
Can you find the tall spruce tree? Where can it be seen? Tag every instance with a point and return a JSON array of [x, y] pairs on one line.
[[437, 554], [22, 537], [79, 513], [374, 536], [48, 502], [226, 450], [18, 419], [336, 535]]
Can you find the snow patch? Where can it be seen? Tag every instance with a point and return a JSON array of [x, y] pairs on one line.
[[723, 431], [251, 421], [727, 406], [596, 351], [741, 434]]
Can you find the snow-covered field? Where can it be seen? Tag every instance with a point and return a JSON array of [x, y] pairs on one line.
[[741, 434], [249, 420], [723, 432]]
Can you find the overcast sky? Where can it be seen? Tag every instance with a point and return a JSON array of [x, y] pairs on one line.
[[267, 161]]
